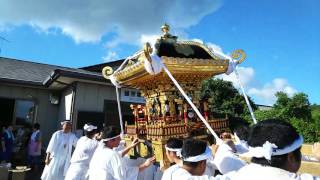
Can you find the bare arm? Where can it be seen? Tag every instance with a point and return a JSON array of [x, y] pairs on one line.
[[47, 161], [147, 163], [316, 150], [127, 149]]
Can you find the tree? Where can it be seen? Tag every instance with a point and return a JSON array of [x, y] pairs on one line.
[[298, 106], [282, 100], [315, 112], [225, 99], [298, 111]]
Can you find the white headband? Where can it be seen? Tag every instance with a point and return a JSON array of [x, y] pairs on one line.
[[177, 150], [89, 128], [173, 149], [269, 149], [63, 122], [108, 139], [206, 155]]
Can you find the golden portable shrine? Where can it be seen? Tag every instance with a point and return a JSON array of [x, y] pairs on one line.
[[165, 113]]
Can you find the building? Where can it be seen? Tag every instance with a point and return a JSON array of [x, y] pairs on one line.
[[33, 92], [263, 107]]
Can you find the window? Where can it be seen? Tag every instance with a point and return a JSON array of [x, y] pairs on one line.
[[24, 112], [126, 93], [133, 93], [138, 94]]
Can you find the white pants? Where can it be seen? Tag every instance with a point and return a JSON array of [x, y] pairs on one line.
[[77, 171]]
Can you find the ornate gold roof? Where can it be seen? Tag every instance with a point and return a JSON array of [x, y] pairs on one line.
[[186, 60]]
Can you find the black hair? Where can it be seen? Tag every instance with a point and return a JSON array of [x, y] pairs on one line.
[[242, 132], [90, 133], [192, 147], [275, 131], [174, 143], [110, 131], [36, 126], [211, 139]]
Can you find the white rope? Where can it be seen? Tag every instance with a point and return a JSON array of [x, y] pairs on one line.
[[116, 84], [218, 140], [234, 66], [127, 59], [119, 110], [245, 96]]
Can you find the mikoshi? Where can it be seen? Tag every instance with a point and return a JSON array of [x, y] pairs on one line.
[[169, 77]]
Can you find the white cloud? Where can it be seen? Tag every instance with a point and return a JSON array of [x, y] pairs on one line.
[[214, 47], [151, 38], [246, 75], [111, 55], [89, 21], [198, 40], [266, 94], [261, 95]]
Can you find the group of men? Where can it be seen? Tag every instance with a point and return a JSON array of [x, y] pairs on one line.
[[273, 147], [96, 155]]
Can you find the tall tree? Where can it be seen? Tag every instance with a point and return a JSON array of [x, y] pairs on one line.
[[225, 99], [298, 106]]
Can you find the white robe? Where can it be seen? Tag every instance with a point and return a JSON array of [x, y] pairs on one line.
[[226, 160], [249, 172], [255, 171], [107, 164], [168, 173], [180, 173], [150, 173], [242, 147], [60, 147], [81, 159]]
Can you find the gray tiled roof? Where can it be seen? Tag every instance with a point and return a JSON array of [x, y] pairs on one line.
[[31, 72]]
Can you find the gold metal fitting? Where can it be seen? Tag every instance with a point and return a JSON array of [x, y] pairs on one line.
[[147, 49], [107, 71], [239, 55]]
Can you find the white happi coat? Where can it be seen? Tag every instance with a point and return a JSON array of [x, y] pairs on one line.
[[81, 159], [107, 164], [180, 173], [255, 171], [168, 173], [60, 147], [226, 160], [150, 173], [242, 146]]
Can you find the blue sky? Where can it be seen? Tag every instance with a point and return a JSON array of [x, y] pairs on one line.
[[281, 38]]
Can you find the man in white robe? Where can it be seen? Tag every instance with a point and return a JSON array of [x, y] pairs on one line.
[[107, 164], [274, 146], [194, 155], [82, 154], [173, 153], [152, 172], [59, 153]]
